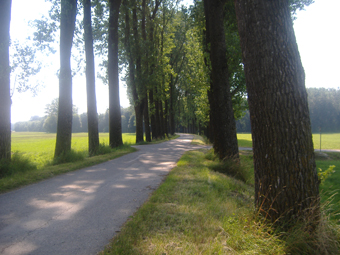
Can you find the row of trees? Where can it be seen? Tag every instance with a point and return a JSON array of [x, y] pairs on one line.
[[191, 68], [164, 51], [48, 123]]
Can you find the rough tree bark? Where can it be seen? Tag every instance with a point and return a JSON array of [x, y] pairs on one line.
[[224, 126], [115, 128], [171, 108], [64, 126], [286, 182], [145, 73], [5, 96], [92, 117], [135, 83]]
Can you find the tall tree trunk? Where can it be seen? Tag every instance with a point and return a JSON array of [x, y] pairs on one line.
[[153, 116], [206, 45], [92, 116], [5, 96], [152, 89], [161, 118], [157, 115], [225, 139], [166, 115], [115, 128], [171, 110], [286, 182], [146, 117], [64, 127], [136, 90], [145, 73]]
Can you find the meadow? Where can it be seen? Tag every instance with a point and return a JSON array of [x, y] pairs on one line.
[[39, 147], [328, 141]]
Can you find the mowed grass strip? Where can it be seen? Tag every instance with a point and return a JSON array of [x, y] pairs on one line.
[[196, 211], [328, 141]]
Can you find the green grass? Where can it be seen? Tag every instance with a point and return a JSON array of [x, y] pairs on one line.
[[39, 147], [199, 140], [330, 188], [244, 140], [33, 157], [199, 210], [328, 141], [27, 176]]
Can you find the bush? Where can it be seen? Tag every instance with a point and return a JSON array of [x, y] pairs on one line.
[[70, 156], [103, 149], [18, 164]]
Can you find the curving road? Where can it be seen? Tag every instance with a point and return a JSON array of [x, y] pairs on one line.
[[79, 212]]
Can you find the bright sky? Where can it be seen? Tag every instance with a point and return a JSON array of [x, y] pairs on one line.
[[316, 29]]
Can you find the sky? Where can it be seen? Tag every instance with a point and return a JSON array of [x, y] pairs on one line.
[[316, 29]]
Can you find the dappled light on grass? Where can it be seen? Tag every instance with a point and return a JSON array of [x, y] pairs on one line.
[[202, 209], [196, 211]]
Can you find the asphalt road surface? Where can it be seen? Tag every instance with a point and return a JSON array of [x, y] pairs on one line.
[[79, 212]]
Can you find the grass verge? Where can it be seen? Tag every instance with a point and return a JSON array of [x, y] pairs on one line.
[[199, 140], [329, 189], [34, 161], [32, 175], [202, 209], [196, 211]]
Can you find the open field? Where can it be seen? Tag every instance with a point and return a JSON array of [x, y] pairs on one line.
[[39, 147], [328, 141]]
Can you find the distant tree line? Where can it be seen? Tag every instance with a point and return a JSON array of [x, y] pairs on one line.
[[48, 123], [324, 110]]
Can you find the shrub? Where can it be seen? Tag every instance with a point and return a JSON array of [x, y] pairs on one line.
[[18, 163], [70, 156]]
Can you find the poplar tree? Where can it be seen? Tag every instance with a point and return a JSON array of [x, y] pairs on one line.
[[92, 117], [286, 182], [64, 127], [5, 97], [115, 129]]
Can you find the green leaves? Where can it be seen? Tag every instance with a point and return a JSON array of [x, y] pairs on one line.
[[45, 34], [24, 66], [298, 5], [324, 174]]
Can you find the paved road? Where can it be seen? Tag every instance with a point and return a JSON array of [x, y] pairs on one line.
[[79, 212]]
